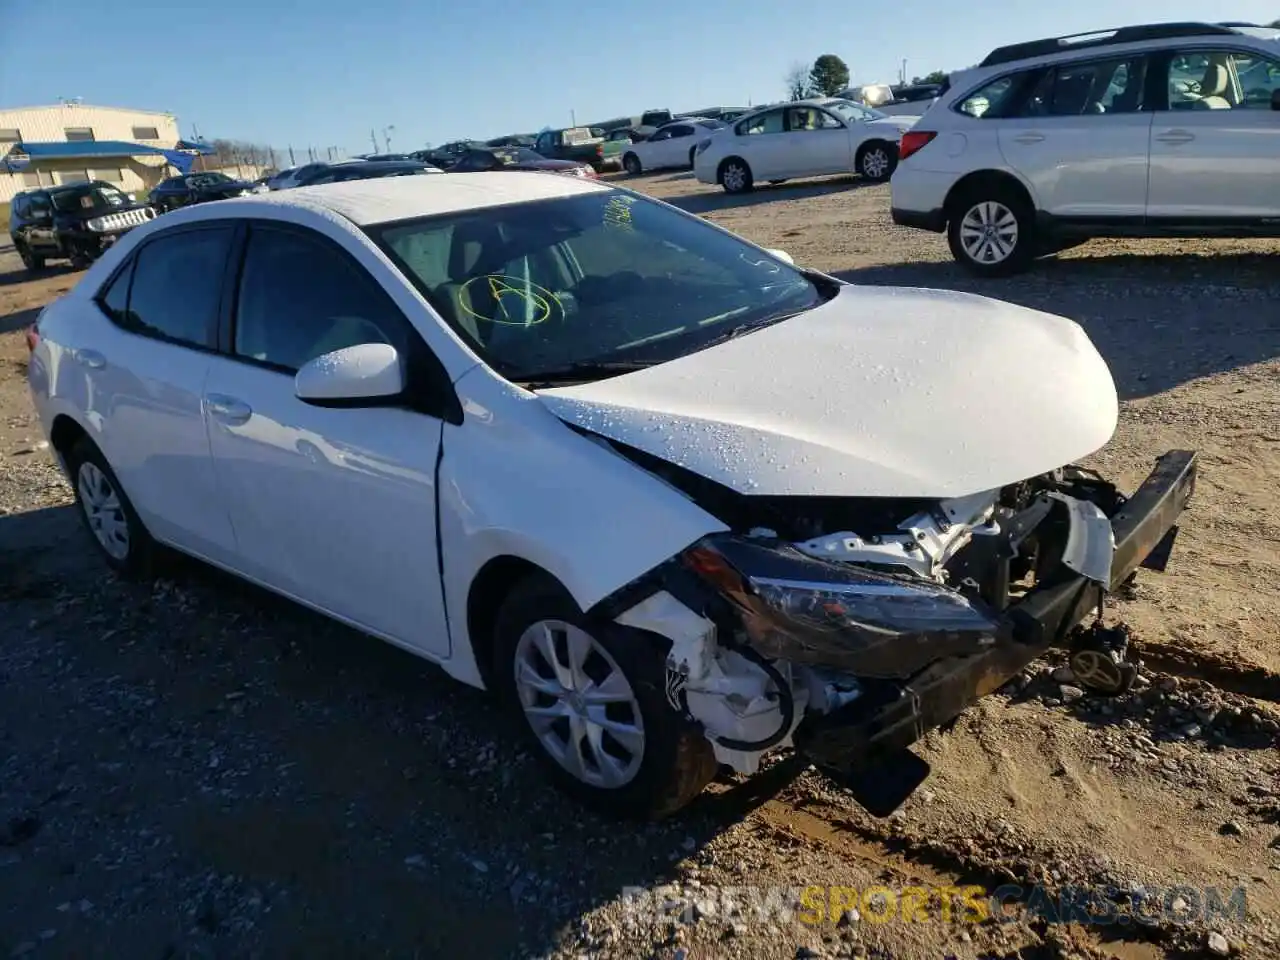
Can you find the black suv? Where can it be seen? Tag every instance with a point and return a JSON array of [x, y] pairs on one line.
[[198, 188], [75, 222]]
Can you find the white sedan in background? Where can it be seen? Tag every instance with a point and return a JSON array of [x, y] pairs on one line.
[[672, 145], [804, 138], [675, 500]]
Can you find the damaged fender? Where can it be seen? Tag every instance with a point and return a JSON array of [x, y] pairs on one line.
[[564, 483]]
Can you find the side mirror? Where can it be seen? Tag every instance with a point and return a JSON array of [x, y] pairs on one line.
[[366, 375], [782, 255], [1275, 99]]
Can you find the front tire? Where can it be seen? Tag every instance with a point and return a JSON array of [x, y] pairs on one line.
[[591, 700], [631, 164], [877, 160], [991, 232], [735, 176], [107, 514]]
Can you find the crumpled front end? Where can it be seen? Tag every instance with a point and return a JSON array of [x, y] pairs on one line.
[[851, 645]]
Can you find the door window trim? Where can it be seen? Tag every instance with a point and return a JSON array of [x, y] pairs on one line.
[[429, 389]]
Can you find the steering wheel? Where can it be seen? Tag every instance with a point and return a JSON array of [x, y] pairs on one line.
[[496, 290]]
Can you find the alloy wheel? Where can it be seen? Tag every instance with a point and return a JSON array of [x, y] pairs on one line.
[[875, 163], [735, 177], [103, 510], [989, 232], [579, 704]]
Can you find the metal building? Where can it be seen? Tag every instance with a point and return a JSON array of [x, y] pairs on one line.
[[72, 141]]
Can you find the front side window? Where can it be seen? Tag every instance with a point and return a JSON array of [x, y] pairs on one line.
[[660, 136], [1085, 89], [770, 122], [594, 278], [1258, 77], [300, 298], [207, 179], [177, 283], [1221, 80], [856, 112]]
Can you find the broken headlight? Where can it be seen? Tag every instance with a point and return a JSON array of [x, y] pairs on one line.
[[805, 610]]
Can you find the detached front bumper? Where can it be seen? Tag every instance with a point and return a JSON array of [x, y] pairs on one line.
[[879, 726]]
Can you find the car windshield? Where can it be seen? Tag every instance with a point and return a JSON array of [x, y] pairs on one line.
[[207, 179], [848, 110], [512, 155], [595, 279], [97, 197]]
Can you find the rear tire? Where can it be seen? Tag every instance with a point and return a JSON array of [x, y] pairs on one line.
[[107, 513], [33, 263], [657, 763], [876, 160], [991, 231], [631, 164], [735, 176]]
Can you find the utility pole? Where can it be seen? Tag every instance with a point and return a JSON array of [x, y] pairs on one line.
[[902, 76], [292, 162], [373, 138], [573, 119]]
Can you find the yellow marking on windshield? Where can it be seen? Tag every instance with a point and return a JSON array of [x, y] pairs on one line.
[[536, 299]]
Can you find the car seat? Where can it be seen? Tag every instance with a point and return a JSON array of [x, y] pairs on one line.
[[476, 249], [1215, 89]]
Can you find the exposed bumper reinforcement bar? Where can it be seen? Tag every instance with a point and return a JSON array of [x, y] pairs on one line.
[[876, 729]]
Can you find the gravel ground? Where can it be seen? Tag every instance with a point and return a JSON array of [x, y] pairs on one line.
[[197, 769]]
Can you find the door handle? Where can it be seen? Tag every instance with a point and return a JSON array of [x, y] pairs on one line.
[[91, 359], [227, 410], [1176, 136], [1029, 138]]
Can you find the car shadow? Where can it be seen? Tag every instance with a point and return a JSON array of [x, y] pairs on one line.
[[22, 275], [10, 322], [715, 199], [1157, 319]]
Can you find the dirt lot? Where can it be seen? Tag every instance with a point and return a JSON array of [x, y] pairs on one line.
[[196, 769]]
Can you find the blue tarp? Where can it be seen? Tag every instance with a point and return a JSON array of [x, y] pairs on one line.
[[24, 153]]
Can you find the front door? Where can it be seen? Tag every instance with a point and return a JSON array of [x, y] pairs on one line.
[[1215, 144], [333, 506], [1081, 139]]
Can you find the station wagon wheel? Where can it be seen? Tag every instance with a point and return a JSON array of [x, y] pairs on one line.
[[876, 161], [735, 176], [590, 698], [990, 232], [107, 513]]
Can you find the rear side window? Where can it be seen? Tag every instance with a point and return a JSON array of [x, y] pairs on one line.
[[992, 99], [114, 297], [1084, 89], [770, 122], [177, 284]]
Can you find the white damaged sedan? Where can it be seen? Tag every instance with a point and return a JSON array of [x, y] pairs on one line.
[[674, 500]]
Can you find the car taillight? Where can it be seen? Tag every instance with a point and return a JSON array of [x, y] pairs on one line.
[[912, 141], [33, 337], [599, 149]]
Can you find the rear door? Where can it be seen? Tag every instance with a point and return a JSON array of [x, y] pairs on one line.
[[762, 141], [146, 372], [1081, 138], [1215, 143], [817, 143]]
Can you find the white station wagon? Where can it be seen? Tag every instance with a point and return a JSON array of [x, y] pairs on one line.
[[675, 500]]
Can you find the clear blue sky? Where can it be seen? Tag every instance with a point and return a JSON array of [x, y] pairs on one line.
[[323, 72]]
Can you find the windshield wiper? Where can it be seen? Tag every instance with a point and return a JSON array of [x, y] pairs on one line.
[[581, 372]]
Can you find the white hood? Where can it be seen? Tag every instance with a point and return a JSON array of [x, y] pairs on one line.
[[881, 392]]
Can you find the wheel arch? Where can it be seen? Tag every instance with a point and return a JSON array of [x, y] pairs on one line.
[[985, 180], [64, 433], [491, 585]]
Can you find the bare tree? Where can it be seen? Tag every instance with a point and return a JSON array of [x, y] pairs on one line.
[[798, 82]]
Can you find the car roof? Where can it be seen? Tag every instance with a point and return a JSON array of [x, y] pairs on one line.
[[369, 202]]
